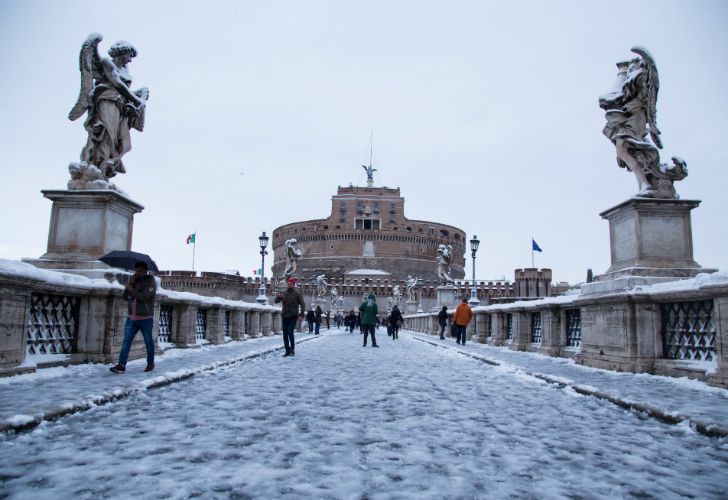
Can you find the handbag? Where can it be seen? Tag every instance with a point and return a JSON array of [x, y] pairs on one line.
[[453, 330]]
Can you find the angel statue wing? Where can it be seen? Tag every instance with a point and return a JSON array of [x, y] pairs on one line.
[[89, 64], [653, 86]]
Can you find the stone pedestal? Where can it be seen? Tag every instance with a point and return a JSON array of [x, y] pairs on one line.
[[447, 295], [411, 307], [651, 240], [86, 225]]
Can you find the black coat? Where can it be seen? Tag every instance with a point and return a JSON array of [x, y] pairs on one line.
[[395, 316], [442, 317]]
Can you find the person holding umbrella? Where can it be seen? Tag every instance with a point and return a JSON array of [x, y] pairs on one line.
[[140, 292]]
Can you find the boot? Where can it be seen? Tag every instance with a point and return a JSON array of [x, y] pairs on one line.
[[118, 368], [149, 368]]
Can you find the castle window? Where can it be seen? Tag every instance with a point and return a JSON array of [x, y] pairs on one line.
[[368, 249], [444, 233], [342, 212], [367, 224]]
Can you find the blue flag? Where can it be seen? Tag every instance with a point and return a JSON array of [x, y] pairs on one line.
[[534, 246]]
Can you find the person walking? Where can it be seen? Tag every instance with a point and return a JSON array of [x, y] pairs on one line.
[[395, 322], [328, 320], [368, 311], [442, 321], [350, 321], [290, 300], [140, 292], [318, 317], [463, 315], [310, 320]]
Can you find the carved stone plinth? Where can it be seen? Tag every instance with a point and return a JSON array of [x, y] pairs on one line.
[[651, 240], [86, 225], [447, 295], [411, 307]]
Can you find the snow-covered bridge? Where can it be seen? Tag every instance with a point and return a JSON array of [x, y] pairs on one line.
[[341, 421]]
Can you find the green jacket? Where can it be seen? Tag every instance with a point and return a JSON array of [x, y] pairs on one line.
[[369, 311]]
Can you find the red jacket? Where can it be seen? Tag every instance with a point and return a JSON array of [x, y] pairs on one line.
[[463, 314]]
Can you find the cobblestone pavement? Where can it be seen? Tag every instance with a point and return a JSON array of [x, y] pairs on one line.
[[341, 421]]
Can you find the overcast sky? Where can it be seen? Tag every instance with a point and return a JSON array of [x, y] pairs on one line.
[[485, 114]]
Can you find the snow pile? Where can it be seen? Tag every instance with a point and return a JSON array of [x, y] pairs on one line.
[[23, 270]]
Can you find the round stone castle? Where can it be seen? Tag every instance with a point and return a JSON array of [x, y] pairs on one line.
[[367, 235]]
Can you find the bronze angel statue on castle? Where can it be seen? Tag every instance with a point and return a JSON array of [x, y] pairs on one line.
[[631, 108], [112, 109]]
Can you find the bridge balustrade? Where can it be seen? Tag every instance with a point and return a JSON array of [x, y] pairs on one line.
[[49, 319], [675, 332]]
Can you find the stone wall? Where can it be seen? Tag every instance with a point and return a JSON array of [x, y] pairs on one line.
[[234, 287], [675, 329], [392, 242], [49, 318]]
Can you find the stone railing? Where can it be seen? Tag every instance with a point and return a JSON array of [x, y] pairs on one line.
[[49, 318], [677, 328]]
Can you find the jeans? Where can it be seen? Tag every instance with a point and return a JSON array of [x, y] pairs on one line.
[[289, 325], [318, 327], [461, 333], [368, 329], [130, 330]]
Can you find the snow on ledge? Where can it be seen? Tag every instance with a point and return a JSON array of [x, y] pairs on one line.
[[24, 270], [20, 269], [368, 272]]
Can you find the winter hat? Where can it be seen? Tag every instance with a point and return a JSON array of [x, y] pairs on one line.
[[291, 280]]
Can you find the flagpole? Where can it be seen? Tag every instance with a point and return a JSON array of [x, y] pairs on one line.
[[532, 264], [194, 247]]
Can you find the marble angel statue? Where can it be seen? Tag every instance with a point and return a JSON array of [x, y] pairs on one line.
[[112, 109], [292, 255], [631, 113], [444, 258], [396, 295], [410, 285], [321, 285]]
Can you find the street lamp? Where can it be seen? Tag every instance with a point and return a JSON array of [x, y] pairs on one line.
[[261, 298], [474, 291]]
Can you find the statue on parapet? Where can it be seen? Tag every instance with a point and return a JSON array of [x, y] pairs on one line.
[[396, 295], [112, 109], [410, 284], [444, 258], [321, 285], [632, 122], [292, 255], [334, 294]]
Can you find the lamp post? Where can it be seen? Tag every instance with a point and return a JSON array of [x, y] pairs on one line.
[[474, 290], [261, 298]]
